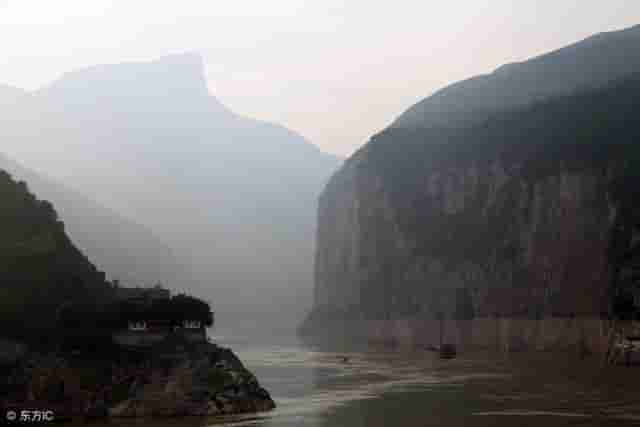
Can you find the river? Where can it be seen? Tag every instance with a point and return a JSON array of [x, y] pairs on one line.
[[376, 388]]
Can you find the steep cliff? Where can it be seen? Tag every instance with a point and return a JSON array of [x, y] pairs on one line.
[[518, 229]]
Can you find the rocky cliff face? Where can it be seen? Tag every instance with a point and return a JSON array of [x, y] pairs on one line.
[[180, 380], [539, 243], [210, 383], [518, 230]]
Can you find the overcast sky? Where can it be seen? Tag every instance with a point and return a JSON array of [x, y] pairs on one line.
[[335, 71]]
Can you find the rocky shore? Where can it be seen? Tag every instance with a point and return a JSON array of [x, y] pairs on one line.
[[197, 380], [214, 382]]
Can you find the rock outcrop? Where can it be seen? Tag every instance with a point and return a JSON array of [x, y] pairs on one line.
[[516, 230], [214, 382], [181, 380]]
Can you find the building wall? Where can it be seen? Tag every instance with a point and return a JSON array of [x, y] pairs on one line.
[[138, 338], [148, 338]]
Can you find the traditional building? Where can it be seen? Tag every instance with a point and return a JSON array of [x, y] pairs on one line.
[[148, 326]]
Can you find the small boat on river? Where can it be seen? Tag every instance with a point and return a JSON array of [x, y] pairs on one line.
[[447, 351]]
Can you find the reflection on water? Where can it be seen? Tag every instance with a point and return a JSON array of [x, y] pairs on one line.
[[358, 389]]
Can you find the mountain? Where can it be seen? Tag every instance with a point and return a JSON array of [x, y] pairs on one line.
[[40, 268], [234, 197], [127, 251], [516, 229], [10, 96], [590, 63]]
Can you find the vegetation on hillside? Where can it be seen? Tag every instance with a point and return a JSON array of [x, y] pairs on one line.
[[49, 288], [40, 268]]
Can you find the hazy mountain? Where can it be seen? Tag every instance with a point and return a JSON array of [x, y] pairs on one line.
[[127, 251], [10, 96], [234, 197], [593, 62]]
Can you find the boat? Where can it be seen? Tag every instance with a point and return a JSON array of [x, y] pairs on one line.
[[447, 351]]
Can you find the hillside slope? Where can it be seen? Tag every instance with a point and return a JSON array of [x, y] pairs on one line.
[[127, 251], [40, 268]]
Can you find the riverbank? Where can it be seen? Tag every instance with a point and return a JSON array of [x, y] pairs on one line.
[[578, 336], [379, 388], [198, 380]]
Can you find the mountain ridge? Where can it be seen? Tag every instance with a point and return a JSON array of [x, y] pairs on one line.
[[593, 61], [515, 228]]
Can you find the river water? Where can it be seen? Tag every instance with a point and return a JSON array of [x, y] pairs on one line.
[[374, 388]]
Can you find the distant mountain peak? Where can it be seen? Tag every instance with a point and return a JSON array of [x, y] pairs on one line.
[[185, 68], [173, 82], [178, 71], [191, 59]]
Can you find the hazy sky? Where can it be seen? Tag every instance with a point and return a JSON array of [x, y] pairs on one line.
[[335, 71]]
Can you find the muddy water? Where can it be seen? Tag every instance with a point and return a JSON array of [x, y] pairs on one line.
[[376, 388]]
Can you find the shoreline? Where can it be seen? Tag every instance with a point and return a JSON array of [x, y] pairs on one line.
[[205, 380], [579, 336]]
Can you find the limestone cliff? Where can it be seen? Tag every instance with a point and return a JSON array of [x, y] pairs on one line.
[[517, 230]]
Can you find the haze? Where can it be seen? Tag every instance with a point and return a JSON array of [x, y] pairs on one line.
[[333, 71]]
